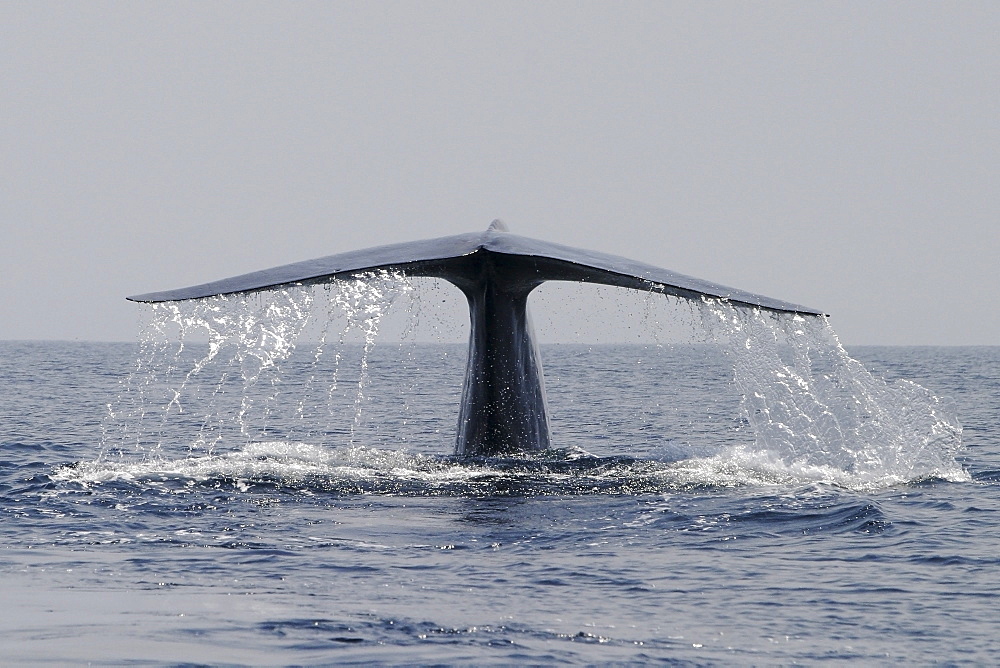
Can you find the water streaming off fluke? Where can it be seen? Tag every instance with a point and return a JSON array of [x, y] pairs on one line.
[[302, 386]]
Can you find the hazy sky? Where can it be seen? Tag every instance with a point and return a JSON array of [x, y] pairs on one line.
[[840, 155]]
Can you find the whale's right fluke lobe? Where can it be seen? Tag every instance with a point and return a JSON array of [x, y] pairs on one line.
[[503, 408]]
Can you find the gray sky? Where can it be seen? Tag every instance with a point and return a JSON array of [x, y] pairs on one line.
[[840, 155]]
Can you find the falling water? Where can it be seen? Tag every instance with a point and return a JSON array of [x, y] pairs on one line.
[[216, 365], [818, 412], [279, 383]]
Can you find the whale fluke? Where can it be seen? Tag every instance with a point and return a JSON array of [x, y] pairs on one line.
[[503, 400]]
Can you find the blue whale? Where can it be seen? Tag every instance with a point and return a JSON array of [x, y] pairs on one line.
[[503, 407]]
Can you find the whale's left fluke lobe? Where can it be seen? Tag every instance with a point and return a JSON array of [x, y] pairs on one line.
[[503, 408]]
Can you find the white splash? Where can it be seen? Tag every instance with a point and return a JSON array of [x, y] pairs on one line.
[[219, 377], [230, 393], [818, 414]]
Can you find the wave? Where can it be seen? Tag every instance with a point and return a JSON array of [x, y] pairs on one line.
[[300, 466]]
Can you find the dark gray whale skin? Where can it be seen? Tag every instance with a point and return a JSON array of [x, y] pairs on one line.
[[503, 408]]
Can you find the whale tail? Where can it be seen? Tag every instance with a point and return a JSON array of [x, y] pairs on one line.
[[503, 399]]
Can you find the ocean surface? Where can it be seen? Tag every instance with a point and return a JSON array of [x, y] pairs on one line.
[[149, 516]]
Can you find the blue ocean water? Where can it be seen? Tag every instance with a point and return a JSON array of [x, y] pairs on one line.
[[132, 533]]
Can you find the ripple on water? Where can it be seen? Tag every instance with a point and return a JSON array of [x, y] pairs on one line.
[[303, 468]]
